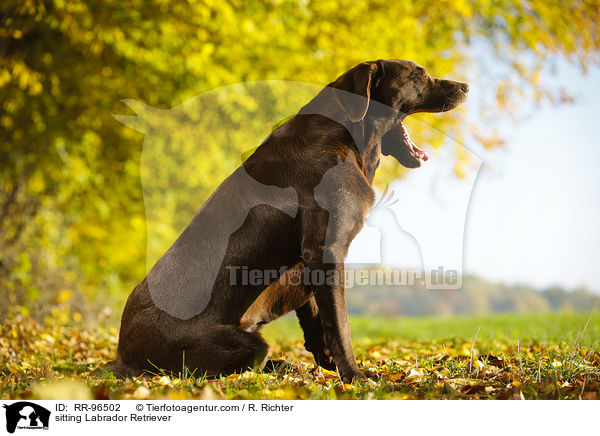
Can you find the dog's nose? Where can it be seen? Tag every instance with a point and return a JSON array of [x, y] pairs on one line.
[[464, 87]]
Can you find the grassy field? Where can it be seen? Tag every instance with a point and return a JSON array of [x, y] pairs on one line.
[[541, 356]]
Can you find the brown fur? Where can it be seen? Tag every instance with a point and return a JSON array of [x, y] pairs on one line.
[[225, 337]]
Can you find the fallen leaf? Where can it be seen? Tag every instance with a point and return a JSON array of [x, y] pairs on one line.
[[141, 393]]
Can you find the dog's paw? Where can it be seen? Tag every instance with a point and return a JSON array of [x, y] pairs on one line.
[[352, 376], [277, 366], [325, 361], [372, 374]]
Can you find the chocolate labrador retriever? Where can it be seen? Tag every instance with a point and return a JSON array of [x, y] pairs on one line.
[[292, 208]]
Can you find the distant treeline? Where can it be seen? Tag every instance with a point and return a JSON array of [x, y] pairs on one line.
[[477, 296]]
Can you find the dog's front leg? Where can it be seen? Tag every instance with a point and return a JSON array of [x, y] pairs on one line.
[[331, 301], [325, 266], [314, 341]]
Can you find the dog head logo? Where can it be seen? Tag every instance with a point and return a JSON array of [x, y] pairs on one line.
[[26, 415]]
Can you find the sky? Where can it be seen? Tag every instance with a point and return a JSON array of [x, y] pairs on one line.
[[528, 214]]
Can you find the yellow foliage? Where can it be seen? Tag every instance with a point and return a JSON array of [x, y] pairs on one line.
[[73, 171], [64, 296], [65, 389]]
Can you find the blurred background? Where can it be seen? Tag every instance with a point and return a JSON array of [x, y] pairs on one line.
[[73, 227]]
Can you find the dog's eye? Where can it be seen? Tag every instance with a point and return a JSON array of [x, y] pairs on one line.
[[421, 74]]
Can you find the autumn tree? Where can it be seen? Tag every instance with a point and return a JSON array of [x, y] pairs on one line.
[[71, 214]]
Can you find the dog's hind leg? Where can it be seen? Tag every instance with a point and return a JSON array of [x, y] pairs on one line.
[[211, 351], [222, 349]]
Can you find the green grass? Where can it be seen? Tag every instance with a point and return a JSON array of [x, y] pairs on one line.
[[537, 356], [545, 327]]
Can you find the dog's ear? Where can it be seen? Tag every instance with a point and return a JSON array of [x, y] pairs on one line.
[[359, 80]]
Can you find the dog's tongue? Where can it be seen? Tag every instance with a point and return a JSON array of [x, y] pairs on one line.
[[424, 154], [418, 152]]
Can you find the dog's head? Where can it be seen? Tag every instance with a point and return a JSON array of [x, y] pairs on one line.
[[407, 88]]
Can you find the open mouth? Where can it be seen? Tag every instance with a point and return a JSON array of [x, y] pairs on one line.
[[416, 152], [397, 143]]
